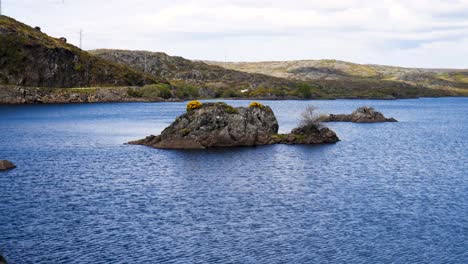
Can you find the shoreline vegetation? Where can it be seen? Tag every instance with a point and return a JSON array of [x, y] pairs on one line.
[[11, 95], [38, 68]]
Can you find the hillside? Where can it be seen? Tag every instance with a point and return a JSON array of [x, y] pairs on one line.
[[181, 72], [29, 57], [330, 71], [210, 79]]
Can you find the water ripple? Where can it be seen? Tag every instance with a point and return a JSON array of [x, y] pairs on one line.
[[387, 193]]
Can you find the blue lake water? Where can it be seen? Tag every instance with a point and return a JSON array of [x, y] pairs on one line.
[[387, 193]]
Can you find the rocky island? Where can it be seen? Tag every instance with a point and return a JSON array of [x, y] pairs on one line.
[[363, 114], [220, 125], [6, 165]]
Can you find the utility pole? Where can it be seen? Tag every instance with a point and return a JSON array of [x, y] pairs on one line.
[[81, 38], [0, 7], [145, 64]]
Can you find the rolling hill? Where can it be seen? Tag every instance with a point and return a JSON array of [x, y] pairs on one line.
[[212, 80], [323, 71], [30, 58], [275, 80]]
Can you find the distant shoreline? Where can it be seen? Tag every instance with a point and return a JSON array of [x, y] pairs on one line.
[[17, 95]]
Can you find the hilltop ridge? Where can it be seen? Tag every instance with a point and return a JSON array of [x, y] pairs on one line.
[[452, 80], [272, 80]]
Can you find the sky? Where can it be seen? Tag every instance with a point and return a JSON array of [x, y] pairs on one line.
[[410, 33]]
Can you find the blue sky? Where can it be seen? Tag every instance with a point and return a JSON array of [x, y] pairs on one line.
[[412, 33]]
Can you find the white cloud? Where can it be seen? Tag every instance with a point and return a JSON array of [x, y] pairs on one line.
[[403, 32]]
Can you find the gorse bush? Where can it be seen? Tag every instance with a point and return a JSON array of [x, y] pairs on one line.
[[256, 104], [192, 105]]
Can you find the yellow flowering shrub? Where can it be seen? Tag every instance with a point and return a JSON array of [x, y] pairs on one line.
[[192, 105], [256, 104]]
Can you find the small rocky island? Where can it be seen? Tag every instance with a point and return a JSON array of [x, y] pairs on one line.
[[220, 125], [363, 114], [6, 165]]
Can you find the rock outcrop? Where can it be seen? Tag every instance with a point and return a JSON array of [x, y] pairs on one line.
[[2, 260], [221, 125], [363, 114], [306, 136], [200, 74], [6, 165], [31, 58]]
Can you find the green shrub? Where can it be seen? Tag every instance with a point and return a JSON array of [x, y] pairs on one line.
[[230, 93], [186, 91], [160, 90], [260, 92], [305, 90]]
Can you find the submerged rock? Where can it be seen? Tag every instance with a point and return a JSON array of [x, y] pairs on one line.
[[363, 114], [6, 165], [221, 125]]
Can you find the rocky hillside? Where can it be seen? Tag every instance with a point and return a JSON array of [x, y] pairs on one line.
[[274, 81], [29, 57], [330, 71], [181, 71]]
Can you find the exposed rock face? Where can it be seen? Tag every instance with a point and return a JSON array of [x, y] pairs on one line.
[[363, 114], [221, 125], [4, 166], [31, 58], [217, 125]]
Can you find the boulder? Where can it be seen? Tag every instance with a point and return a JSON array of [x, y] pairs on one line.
[[221, 125], [2, 260], [6, 165], [363, 114]]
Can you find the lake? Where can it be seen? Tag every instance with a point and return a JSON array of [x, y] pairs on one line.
[[386, 193]]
